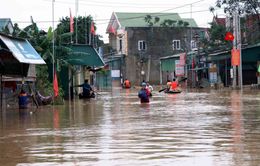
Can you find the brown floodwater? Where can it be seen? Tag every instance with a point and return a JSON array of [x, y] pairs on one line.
[[194, 128]]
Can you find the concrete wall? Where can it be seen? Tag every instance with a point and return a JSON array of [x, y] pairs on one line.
[[159, 44]]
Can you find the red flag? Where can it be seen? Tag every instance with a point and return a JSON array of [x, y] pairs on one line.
[[229, 36], [111, 30], [71, 23], [55, 85], [92, 29]]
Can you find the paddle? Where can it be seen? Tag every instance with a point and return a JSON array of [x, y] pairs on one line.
[[162, 90], [183, 79]]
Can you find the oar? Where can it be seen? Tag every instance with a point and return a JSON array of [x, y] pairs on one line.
[[162, 90], [183, 79]]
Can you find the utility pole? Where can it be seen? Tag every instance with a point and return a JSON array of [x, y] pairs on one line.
[[237, 71], [239, 43], [53, 44], [234, 46]]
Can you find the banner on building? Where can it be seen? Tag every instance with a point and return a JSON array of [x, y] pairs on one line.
[[213, 76], [235, 57], [179, 68], [182, 59], [115, 73]]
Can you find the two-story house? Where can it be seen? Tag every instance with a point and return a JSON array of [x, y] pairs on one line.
[[143, 38]]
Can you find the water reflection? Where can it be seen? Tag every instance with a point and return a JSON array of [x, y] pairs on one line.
[[238, 133], [191, 128]]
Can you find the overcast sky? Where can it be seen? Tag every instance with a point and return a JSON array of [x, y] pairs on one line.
[[41, 10]]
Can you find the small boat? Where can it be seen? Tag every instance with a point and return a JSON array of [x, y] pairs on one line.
[[42, 100], [81, 96], [173, 91]]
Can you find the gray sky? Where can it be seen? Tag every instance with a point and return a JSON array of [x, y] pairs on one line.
[[41, 10]]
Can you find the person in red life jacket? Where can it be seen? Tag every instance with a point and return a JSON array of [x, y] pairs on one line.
[[127, 83], [23, 99], [168, 85], [149, 87], [174, 85], [144, 94]]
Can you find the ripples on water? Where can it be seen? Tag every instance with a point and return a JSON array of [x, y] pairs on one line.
[[192, 128]]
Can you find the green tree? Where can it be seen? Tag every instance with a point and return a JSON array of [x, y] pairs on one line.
[[83, 31], [245, 8]]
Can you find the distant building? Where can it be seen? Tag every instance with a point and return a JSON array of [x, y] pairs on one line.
[[141, 39]]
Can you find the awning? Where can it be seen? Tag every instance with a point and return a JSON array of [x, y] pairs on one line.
[[84, 55], [21, 49]]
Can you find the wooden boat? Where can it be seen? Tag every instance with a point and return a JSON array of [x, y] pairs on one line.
[[86, 97], [173, 91], [43, 100]]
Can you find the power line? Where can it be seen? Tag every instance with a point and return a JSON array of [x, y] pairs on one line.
[[154, 14], [129, 18], [120, 4]]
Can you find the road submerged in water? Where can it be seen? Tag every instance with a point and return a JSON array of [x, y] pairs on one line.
[[193, 128]]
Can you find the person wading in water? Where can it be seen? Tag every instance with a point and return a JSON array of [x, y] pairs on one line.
[[144, 94]]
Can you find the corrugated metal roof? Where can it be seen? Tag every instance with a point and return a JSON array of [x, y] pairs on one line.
[[84, 55], [137, 19], [21, 49]]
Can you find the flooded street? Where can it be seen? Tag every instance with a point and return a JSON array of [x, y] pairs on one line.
[[213, 128]]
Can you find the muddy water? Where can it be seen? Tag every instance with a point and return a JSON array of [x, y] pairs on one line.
[[216, 128]]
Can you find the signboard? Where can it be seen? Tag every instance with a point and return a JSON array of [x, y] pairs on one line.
[[182, 59], [115, 73], [179, 68], [213, 76], [235, 57]]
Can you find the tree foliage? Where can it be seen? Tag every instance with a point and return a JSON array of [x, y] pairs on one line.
[[243, 6], [83, 31], [151, 21], [43, 43]]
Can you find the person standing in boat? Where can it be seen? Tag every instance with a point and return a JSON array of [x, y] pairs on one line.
[[168, 85], [174, 85], [144, 94]]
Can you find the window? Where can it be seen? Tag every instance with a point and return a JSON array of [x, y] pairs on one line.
[[141, 45], [176, 44]]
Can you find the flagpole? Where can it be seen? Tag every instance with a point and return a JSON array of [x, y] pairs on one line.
[[76, 14], [71, 27], [53, 45], [89, 33]]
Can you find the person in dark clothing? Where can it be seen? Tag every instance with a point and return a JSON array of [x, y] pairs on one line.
[[87, 90], [144, 94], [23, 99]]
